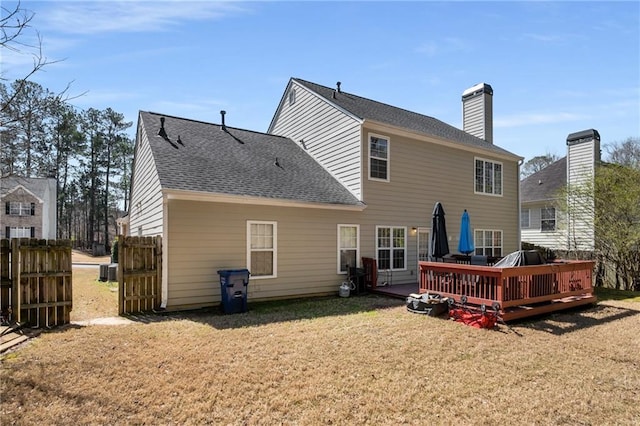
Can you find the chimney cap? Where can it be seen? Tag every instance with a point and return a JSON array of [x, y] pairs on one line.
[[477, 89], [583, 136]]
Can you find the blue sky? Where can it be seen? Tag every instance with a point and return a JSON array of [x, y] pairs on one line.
[[555, 67]]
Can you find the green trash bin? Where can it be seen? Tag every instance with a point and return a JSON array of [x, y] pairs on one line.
[[233, 290]]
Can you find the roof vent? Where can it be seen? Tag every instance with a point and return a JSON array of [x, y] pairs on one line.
[[224, 127], [338, 85], [162, 132]]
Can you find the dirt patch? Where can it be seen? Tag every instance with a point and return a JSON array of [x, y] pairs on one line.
[[78, 256]]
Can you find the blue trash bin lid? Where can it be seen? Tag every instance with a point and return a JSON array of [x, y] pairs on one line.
[[227, 272]]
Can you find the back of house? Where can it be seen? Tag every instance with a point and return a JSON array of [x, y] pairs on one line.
[[336, 178]]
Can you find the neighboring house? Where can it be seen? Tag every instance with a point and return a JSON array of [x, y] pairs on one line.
[[542, 221], [336, 178], [29, 207]]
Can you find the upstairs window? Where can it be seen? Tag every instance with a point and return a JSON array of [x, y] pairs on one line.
[[378, 157], [488, 177], [15, 208], [548, 219]]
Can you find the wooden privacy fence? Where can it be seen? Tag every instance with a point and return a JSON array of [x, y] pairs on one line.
[[139, 274], [36, 281]]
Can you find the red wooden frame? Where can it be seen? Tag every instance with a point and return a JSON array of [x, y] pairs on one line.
[[520, 292]]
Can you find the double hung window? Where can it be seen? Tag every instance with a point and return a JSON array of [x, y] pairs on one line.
[[348, 248], [488, 177], [488, 242], [391, 247], [378, 157], [262, 244]]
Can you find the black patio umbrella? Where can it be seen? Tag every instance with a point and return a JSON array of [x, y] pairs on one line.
[[439, 240]]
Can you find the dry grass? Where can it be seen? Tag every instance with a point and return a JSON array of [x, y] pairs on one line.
[[361, 360], [93, 298]]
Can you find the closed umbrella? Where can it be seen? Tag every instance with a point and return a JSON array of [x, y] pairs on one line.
[[465, 244], [439, 242]]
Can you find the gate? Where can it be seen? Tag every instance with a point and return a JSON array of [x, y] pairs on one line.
[[139, 274], [36, 281]]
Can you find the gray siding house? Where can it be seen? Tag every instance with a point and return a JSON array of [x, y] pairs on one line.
[[542, 221], [337, 177], [29, 207]]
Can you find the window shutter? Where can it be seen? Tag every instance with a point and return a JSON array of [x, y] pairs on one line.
[[7, 206], [7, 232], [33, 209], [33, 232]]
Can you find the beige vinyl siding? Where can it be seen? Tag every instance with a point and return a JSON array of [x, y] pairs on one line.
[[145, 209], [423, 173], [330, 136], [556, 240], [206, 237]]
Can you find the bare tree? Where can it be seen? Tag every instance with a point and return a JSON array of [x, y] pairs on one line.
[[15, 27], [625, 153], [537, 163]]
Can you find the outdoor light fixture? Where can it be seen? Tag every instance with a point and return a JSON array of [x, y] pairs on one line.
[[414, 229]]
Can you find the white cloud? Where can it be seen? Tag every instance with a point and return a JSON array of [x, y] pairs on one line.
[[536, 118], [132, 16], [446, 45]]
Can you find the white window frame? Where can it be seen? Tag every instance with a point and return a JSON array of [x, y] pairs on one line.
[[24, 231], [481, 248], [340, 248], [391, 248], [548, 219], [388, 159], [528, 217], [273, 249], [428, 232], [484, 176], [17, 208]]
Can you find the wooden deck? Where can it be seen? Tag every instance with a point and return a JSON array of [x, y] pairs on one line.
[[399, 291], [517, 292]]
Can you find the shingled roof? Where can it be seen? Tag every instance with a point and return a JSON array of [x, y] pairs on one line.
[[203, 157], [367, 109], [544, 184]]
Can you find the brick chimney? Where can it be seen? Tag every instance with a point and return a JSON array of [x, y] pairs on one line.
[[477, 111]]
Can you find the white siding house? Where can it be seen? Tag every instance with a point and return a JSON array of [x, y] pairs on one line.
[[543, 221]]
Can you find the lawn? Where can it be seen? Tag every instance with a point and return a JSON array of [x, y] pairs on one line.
[[361, 360]]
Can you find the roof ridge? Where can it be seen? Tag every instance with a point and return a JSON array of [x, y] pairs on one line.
[[373, 100], [211, 124]]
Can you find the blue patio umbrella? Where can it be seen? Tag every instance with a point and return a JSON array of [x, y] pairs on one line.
[[439, 242], [465, 244]]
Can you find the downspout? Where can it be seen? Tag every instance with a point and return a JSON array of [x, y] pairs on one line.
[[165, 252], [520, 162]]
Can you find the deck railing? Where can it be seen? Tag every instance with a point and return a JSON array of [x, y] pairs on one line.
[[519, 291]]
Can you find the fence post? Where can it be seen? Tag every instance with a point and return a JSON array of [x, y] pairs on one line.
[[122, 248], [15, 278], [158, 300]]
